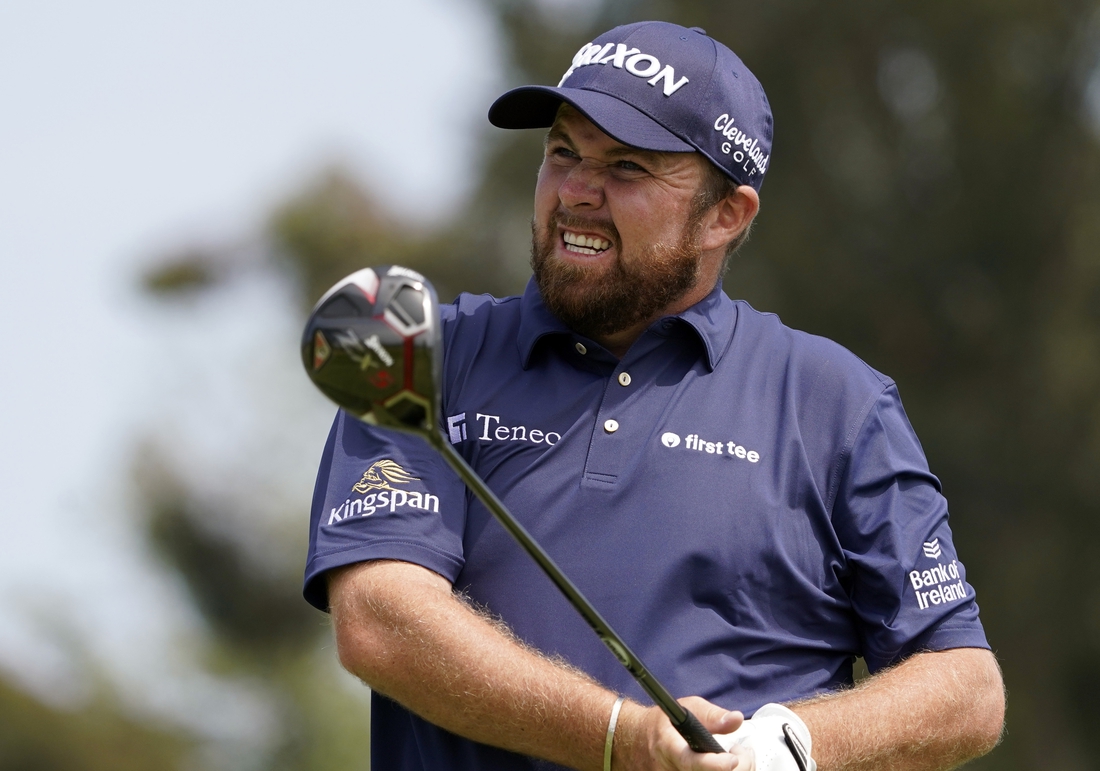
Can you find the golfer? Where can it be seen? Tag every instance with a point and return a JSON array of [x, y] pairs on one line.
[[746, 504]]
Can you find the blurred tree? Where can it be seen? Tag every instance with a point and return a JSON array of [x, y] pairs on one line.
[[262, 630], [97, 737], [933, 204]]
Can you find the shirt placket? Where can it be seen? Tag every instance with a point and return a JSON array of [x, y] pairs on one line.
[[623, 422]]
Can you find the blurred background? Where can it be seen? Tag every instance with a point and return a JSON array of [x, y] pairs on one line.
[[179, 182]]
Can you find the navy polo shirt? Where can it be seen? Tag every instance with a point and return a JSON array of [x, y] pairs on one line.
[[747, 505]]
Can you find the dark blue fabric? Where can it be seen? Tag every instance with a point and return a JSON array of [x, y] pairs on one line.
[[659, 86], [762, 515]]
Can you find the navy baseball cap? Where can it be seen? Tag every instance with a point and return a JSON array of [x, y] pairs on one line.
[[659, 86]]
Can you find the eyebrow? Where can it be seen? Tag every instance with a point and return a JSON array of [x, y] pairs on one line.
[[556, 134]]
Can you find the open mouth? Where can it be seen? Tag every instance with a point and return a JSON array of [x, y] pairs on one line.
[[578, 244]]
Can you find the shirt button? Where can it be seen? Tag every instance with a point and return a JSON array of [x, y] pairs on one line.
[[581, 349], [611, 426], [624, 378]]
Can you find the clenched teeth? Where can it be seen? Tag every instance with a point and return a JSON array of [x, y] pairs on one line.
[[585, 244]]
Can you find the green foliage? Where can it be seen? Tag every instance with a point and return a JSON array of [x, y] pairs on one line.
[[36, 737], [262, 629], [333, 229], [260, 614], [186, 273]]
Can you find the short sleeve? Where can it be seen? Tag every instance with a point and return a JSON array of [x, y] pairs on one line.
[[908, 587], [382, 494]]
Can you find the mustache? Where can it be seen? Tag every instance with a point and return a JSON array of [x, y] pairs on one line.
[[567, 221]]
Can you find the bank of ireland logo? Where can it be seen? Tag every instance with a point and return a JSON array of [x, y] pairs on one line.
[[380, 476], [940, 584], [669, 439]]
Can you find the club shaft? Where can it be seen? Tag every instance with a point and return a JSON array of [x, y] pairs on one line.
[[684, 721]]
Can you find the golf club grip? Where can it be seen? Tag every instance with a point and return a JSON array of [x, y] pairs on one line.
[[697, 737]]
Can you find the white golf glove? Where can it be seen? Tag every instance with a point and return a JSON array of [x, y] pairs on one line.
[[764, 734]]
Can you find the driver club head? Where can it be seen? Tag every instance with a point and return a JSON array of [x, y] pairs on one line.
[[372, 344]]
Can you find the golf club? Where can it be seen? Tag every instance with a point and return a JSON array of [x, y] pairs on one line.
[[373, 345]]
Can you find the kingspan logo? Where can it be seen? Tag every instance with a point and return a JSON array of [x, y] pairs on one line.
[[632, 60], [379, 476], [379, 493]]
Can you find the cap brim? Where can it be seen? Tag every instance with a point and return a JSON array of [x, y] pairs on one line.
[[536, 106]]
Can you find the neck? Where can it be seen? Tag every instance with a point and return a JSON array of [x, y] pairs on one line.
[[618, 343]]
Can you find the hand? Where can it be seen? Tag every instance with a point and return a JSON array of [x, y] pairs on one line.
[[765, 735], [646, 741]]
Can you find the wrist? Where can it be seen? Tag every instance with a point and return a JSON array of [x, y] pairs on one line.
[[630, 746]]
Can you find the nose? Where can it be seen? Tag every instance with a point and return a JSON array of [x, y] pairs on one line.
[[582, 187]]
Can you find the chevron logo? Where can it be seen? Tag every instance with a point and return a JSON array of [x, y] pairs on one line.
[[932, 549]]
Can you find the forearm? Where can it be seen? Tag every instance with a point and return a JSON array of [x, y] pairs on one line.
[[934, 711], [402, 632]]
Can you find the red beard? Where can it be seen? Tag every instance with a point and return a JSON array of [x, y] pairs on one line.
[[600, 300]]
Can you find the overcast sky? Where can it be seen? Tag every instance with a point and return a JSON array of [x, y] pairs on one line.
[[128, 129]]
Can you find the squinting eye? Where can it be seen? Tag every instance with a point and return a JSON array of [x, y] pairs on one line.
[[630, 166]]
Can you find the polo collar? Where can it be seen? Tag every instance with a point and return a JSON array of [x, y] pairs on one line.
[[713, 319]]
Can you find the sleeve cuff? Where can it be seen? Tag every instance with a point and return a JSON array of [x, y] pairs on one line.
[[315, 590]]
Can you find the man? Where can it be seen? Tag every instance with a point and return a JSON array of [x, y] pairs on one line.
[[747, 505]]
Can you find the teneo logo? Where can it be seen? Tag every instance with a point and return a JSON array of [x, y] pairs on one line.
[[698, 444], [934, 580], [630, 59], [379, 494], [492, 430], [740, 145], [456, 428]]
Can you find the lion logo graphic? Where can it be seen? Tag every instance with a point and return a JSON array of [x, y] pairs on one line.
[[380, 476]]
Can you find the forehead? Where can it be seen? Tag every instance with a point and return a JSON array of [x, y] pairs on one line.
[[577, 131]]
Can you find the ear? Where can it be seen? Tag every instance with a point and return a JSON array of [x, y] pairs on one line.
[[728, 218]]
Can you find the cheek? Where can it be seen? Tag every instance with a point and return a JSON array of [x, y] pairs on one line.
[[639, 218], [546, 193], [648, 218]]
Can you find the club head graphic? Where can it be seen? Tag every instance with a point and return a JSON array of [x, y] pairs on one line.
[[372, 345]]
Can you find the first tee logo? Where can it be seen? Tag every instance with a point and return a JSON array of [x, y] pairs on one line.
[[696, 443], [381, 490]]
